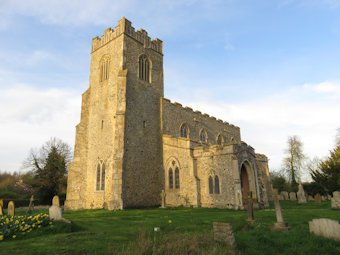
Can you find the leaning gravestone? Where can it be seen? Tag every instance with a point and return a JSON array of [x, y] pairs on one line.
[[223, 232], [31, 205], [292, 196], [326, 228], [55, 211], [11, 209], [335, 200], [317, 198], [301, 195], [280, 225]]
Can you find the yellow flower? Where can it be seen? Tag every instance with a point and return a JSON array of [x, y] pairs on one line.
[[170, 221], [14, 236], [51, 223], [1, 237]]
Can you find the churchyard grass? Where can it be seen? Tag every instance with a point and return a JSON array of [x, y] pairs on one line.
[[183, 230]]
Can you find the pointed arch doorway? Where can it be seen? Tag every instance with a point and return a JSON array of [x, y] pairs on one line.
[[244, 181]]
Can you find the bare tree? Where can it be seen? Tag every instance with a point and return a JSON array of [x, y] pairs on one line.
[[294, 160]]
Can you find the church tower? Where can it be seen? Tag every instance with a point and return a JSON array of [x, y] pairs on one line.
[[118, 149]]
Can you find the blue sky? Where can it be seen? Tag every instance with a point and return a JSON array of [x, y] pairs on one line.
[[270, 67]]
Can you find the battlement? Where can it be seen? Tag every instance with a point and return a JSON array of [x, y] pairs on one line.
[[124, 27], [199, 114]]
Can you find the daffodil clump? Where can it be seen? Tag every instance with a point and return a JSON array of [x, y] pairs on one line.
[[11, 226]]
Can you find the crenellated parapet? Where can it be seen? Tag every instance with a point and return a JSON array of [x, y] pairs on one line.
[[124, 27]]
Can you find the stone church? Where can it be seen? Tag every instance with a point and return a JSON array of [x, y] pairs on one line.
[[132, 143]]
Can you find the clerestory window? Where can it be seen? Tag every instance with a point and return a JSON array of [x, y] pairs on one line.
[[184, 131], [203, 136]]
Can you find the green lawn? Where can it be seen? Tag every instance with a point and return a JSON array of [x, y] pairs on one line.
[[190, 230]]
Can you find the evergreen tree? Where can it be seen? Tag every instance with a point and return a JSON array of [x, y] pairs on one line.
[[328, 173], [49, 167]]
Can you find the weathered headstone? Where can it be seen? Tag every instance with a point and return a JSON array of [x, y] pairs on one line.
[[223, 232], [163, 195], [280, 225], [301, 196], [55, 201], [11, 209], [335, 200], [250, 208], [292, 196], [317, 198], [323, 198], [55, 212], [310, 198], [31, 205], [326, 228], [329, 197], [284, 195]]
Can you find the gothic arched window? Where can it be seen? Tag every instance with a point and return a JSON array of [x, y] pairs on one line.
[[219, 140], [98, 177], [203, 136], [176, 178], [184, 131], [171, 179], [217, 185], [104, 68], [211, 185], [144, 68], [103, 177]]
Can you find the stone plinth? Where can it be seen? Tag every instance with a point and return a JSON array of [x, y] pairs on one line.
[[223, 232], [325, 227]]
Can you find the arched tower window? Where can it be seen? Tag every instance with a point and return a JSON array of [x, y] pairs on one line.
[[217, 185], [176, 178], [211, 185], [98, 177], [100, 183], [219, 140], [184, 131], [104, 68], [171, 179], [203, 136], [144, 68]]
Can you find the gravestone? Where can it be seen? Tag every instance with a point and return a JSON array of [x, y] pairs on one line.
[[163, 195], [55, 201], [31, 205], [223, 232], [250, 208], [317, 198], [310, 198], [301, 196], [284, 195], [292, 196], [335, 200], [329, 197], [1, 205], [325, 227], [323, 198], [280, 225], [55, 211], [11, 209]]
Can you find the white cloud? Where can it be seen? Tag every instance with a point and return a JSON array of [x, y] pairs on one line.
[[325, 87], [30, 116]]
